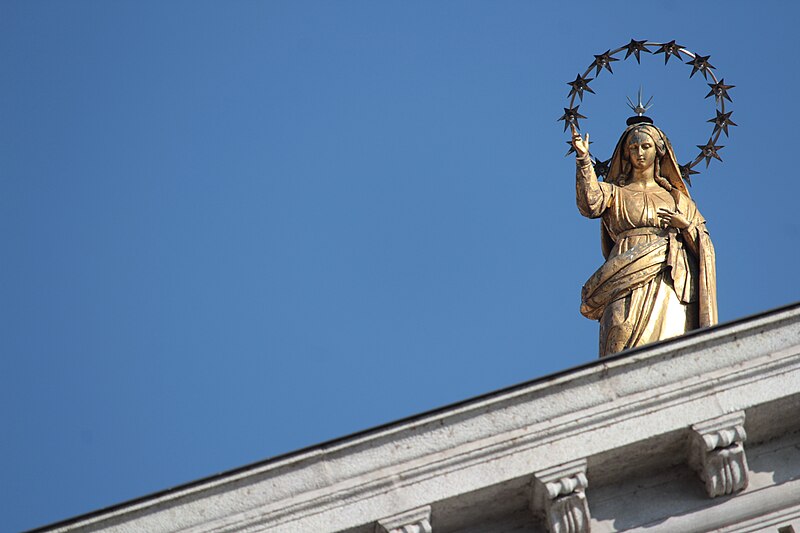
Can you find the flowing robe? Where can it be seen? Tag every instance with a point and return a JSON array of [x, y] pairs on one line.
[[656, 282]]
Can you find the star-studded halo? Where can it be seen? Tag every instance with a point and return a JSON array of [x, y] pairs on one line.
[[719, 90]]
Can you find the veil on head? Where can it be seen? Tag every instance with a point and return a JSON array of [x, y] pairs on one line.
[[669, 168]]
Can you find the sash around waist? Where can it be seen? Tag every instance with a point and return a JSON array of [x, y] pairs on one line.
[[622, 273], [646, 230]]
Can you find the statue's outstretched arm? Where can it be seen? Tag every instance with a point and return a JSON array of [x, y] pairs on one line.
[[591, 196], [592, 200]]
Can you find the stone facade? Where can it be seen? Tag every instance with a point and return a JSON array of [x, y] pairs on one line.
[[699, 433]]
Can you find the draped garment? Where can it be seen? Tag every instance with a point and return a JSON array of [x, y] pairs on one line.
[[656, 282]]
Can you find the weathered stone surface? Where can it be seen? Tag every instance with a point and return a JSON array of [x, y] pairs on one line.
[[717, 454], [559, 493], [412, 521]]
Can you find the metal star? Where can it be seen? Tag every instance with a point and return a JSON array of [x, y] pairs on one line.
[[601, 168], [572, 148], [603, 61], [578, 86], [720, 90], [670, 49], [686, 173], [635, 47], [571, 116], [722, 121], [700, 63], [710, 150]]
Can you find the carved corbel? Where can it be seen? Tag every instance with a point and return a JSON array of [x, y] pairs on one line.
[[559, 493], [413, 521], [717, 454]]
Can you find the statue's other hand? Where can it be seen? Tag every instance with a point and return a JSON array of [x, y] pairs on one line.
[[581, 145], [672, 219]]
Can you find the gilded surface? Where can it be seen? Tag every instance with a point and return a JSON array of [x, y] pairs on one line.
[[659, 278]]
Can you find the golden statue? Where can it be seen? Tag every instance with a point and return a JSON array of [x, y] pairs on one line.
[[659, 277]]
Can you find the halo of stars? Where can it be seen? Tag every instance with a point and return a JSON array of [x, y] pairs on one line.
[[699, 63]]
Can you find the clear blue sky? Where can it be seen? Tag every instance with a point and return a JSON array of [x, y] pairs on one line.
[[234, 229]]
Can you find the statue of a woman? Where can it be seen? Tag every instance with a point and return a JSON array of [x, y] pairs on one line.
[[659, 278]]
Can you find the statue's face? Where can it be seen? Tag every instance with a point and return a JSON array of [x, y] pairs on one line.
[[641, 150]]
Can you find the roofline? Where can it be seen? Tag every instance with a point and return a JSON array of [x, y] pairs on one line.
[[416, 417]]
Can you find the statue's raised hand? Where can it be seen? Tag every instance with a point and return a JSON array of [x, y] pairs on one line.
[[581, 145]]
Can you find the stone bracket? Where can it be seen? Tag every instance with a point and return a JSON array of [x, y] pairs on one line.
[[717, 454], [412, 521], [559, 493]]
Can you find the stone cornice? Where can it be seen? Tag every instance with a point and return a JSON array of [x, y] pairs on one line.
[[572, 416]]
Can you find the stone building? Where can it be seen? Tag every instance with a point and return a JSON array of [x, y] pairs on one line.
[[698, 433]]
